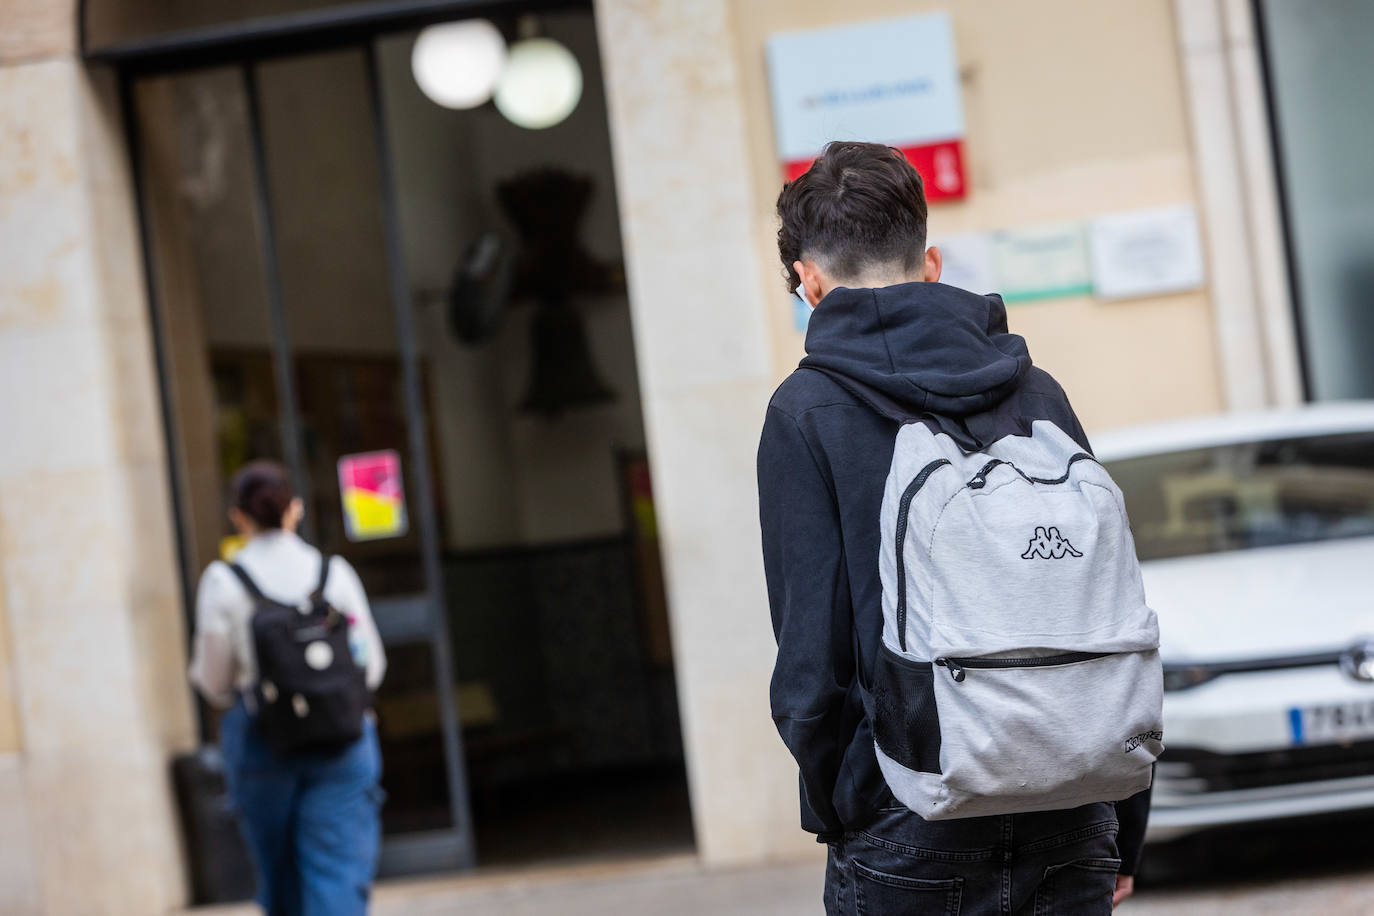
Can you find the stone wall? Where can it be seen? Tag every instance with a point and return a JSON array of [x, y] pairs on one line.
[[1073, 109], [92, 696]]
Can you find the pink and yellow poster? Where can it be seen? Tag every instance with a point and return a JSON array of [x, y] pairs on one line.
[[374, 504]]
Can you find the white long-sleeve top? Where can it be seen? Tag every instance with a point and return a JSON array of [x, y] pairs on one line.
[[286, 569]]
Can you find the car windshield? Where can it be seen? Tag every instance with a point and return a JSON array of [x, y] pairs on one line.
[[1255, 494]]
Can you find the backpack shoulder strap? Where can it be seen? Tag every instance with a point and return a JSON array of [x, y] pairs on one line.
[[326, 560], [248, 583]]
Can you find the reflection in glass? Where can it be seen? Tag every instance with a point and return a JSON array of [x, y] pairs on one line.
[[318, 135], [555, 598], [1318, 61], [211, 296], [1255, 494]]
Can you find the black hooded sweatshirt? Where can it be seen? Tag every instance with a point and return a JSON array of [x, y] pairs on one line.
[[875, 357]]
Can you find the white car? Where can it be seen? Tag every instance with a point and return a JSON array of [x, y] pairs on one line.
[[1256, 539]]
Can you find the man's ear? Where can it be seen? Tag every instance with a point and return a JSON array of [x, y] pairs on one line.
[[934, 263], [813, 286]]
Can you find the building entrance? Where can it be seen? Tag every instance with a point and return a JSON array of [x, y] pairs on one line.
[[347, 277]]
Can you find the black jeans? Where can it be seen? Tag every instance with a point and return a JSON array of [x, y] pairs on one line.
[[1050, 862]]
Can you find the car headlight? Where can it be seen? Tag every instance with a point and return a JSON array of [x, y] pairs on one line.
[[1182, 677]]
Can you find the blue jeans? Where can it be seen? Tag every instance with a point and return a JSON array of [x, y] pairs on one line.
[[311, 820], [1041, 864]]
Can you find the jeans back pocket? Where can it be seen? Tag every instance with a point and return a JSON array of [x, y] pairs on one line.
[[1083, 886], [878, 893]]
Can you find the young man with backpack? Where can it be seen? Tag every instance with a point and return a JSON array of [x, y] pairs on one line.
[[967, 672]]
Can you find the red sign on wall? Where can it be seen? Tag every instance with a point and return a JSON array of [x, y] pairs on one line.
[[941, 166], [895, 81]]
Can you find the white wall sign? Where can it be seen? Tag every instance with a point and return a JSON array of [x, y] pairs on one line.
[[894, 81], [1042, 262], [1146, 252], [968, 262]]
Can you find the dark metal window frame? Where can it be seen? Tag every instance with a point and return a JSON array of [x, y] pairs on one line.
[[244, 45], [1266, 61], [291, 34]]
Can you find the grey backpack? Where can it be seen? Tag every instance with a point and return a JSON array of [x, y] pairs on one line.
[[1019, 669]]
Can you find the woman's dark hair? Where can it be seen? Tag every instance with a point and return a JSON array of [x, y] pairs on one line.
[[262, 491], [859, 206]]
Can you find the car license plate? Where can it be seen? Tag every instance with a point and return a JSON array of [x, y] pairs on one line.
[[1334, 724]]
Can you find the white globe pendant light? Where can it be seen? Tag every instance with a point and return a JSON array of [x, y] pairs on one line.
[[541, 84], [458, 64]]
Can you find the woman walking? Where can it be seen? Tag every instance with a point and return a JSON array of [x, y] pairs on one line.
[[281, 627]]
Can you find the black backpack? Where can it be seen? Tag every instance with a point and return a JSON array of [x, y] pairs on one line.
[[310, 694]]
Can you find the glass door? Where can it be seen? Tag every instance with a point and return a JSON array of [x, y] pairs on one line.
[[512, 245], [285, 331], [422, 312]]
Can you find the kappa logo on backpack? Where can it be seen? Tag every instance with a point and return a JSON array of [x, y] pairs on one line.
[[311, 694], [1004, 685], [1049, 544]]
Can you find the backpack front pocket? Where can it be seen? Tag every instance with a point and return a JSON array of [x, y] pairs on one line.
[[1042, 731]]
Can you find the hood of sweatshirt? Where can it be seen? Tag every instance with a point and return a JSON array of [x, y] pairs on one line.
[[922, 347]]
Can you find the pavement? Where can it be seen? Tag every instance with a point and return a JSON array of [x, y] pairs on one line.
[[678, 885]]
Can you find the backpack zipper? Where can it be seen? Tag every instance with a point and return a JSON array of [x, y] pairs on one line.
[[903, 509], [980, 479], [956, 666]]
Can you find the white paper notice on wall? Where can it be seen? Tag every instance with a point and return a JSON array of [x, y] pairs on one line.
[[1146, 252], [1041, 262], [968, 262]]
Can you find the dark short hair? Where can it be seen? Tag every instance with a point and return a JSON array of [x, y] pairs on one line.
[[859, 206], [262, 491]]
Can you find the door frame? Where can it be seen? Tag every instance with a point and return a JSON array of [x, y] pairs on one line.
[[244, 45]]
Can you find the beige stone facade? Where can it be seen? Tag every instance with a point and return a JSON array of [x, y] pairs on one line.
[[1074, 108], [91, 639]]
